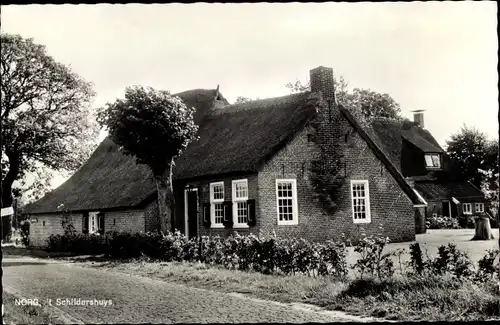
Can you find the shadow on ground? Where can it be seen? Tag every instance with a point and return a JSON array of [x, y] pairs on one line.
[[21, 263]]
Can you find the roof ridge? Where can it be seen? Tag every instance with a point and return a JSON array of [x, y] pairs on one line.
[[262, 103]]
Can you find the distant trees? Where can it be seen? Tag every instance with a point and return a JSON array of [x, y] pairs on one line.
[[472, 155], [47, 122], [154, 127], [363, 103], [242, 99]]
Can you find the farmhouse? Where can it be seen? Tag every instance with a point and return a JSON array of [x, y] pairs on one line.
[[252, 169]]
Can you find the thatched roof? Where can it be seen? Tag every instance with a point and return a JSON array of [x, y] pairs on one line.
[[463, 191], [109, 179], [236, 138], [239, 138]]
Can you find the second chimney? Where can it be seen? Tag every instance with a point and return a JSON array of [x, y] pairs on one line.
[[322, 82], [418, 117]]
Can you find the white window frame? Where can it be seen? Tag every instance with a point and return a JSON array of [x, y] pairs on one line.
[[295, 208], [212, 205], [93, 216], [366, 184], [430, 156], [469, 209], [236, 224], [479, 204]]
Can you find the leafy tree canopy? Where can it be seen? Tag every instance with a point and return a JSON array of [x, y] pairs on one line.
[[363, 103], [154, 127], [45, 112], [471, 152]]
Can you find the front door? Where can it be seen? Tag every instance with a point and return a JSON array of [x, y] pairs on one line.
[[192, 213], [446, 209]]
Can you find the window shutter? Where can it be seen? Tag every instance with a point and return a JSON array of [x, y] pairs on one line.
[[100, 220], [206, 214], [251, 212], [85, 223], [228, 214]]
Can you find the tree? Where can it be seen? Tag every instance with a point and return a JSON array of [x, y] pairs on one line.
[[363, 103], [154, 127], [469, 153], [241, 99], [46, 119]]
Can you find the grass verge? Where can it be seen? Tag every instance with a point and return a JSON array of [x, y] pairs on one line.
[[25, 314], [402, 298], [32, 252]]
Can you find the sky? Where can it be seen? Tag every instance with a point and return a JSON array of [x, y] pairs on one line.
[[440, 57]]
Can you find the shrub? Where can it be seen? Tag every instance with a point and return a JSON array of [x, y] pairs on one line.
[[450, 261], [416, 263], [268, 255], [84, 244], [488, 267], [466, 221], [25, 232], [442, 222], [372, 260]]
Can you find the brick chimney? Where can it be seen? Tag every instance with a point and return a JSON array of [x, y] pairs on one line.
[[321, 79], [418, 117]]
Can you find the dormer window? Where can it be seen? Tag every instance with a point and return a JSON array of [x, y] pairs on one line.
[[433, 160]]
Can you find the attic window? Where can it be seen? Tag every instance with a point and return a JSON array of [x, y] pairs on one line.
[[433, 160], [310, 138]]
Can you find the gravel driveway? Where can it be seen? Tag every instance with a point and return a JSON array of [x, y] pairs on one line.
[[141, 300]]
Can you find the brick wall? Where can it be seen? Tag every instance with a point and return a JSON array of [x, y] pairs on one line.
[[151, 221], [48, 224], [126, 220], [391, 209], [44, 225]]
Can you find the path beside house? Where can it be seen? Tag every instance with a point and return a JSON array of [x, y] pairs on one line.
[[138, 299]]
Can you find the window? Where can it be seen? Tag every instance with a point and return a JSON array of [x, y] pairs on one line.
[[93, 223], [286, 199], [467, 208], [360, 202], [217, 204], [240, 197], [479, 207], [433, 161]]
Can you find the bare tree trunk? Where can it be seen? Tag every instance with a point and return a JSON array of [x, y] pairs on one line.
[[166, 201], [483, 229]]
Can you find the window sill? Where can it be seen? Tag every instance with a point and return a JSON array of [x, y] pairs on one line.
[[243, 225], [362, 221], [281, 223], [217, 226]]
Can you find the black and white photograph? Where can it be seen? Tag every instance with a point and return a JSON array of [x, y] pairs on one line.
[[194, 163]]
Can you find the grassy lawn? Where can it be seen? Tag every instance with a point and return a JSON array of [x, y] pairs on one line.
[[26, 314]]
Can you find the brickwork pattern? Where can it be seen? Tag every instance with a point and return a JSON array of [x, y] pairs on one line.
[[151, 221], [392, 212], [47, 224], [44, 225]]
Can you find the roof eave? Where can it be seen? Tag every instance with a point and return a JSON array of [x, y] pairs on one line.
[[379, 153]]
